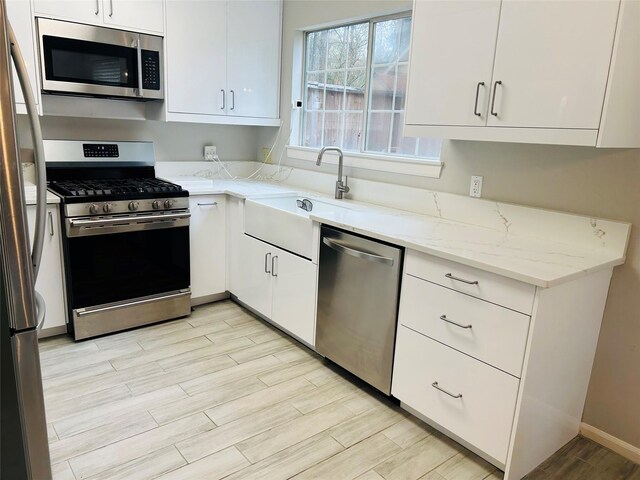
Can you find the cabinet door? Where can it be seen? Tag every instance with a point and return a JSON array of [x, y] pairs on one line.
[[19, 13], [294, 295], [50, 283], [553, 59], [253, 57], [255, 287], [207, 239], [452, 50], [83, 11], [145, 15], [196, 45]]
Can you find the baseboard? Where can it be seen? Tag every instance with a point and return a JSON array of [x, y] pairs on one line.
[[53, 331], [216, 297], [612, 443]]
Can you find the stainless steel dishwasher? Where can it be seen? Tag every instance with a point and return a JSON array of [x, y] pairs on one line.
[[358, 289]]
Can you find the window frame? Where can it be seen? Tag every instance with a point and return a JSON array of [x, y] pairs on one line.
[[362, 156]]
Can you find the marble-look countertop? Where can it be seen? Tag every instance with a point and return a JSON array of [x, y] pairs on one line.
[[30, 194], [517, 250]]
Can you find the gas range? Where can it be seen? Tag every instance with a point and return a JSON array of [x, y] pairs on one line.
[[125, 236]]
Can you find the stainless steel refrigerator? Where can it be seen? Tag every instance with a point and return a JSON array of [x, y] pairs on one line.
[[24, 450]]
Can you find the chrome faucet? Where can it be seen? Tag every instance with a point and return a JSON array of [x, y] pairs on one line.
[[341, 187]]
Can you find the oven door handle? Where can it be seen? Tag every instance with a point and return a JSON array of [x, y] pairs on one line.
[[117, 306], [74, 222]]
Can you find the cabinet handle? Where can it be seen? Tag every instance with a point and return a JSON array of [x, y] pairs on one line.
[[233, 100], [51, 224], [493, 97], [458, 279], [274, 264], [267, 257], [97, 7], [111, 8], [435, 385], [475, 106], [223, 98], [212, 204], [444, 318]]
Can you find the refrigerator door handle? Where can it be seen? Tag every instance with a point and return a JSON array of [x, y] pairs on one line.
[[38, 153], [14, 237], [41, 310]]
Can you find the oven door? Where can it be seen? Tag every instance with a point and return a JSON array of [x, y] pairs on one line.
[[120, 258], [87, 60]]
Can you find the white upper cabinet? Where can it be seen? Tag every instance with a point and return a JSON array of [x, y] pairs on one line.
[[552, 60], [135, 14], [83, 11], [19, 13], [253, 57], [223, 61], [530, 71], [451, 62], [196, 49], [143, 15]]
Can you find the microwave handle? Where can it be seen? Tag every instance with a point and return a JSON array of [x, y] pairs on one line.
[[139, 51]]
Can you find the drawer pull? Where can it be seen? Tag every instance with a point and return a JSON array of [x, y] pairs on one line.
[[435, 385], [444, 317], [468, 282], [211, 204]]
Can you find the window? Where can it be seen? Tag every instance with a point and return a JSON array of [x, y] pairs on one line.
[[355, 88]]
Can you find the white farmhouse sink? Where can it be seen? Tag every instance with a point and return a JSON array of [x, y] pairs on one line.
[[279, 221]]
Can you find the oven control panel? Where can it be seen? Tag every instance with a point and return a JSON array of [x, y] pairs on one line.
[[100, 150], [134, 207]]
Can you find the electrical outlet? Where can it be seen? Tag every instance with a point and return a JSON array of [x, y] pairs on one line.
[[210, 152], [266, 155], [475, 190]]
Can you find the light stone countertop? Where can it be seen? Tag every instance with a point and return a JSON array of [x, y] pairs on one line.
[[30, 194], [535, 246]]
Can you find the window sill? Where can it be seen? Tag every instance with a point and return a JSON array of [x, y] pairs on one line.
[[367, 161]]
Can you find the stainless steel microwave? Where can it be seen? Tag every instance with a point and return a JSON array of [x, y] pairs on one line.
[[80, 59]]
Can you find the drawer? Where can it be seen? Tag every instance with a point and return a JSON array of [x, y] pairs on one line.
[[482, 415], [472, 281], [486, 331]]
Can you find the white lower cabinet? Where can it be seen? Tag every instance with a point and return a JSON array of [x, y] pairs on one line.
[[466, 397], [50, 283], [255, 286], [207, 239], [279, 285]]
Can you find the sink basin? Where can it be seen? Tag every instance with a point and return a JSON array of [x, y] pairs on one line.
[[279, 221]]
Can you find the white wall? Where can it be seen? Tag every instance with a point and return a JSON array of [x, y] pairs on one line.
[[173, 141], [604, 183]]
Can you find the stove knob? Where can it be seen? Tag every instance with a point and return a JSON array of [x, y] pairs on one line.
[[133, 206], [107, 207], [155, 204], [168, 203], [93, 208]]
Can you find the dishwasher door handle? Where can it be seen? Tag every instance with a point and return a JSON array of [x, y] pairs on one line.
[[339, 247]]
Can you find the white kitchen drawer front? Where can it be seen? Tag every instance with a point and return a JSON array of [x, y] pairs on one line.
[[468, 398], [488, 332], [472, 281]]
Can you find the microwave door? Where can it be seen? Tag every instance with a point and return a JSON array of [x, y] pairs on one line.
[[87, 60]]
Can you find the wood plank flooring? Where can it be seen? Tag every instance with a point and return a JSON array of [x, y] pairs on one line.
[[221, 394]]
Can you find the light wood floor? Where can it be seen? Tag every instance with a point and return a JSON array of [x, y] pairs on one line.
[[223, 395]]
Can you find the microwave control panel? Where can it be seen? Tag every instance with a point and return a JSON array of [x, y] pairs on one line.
[[150, 70]]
